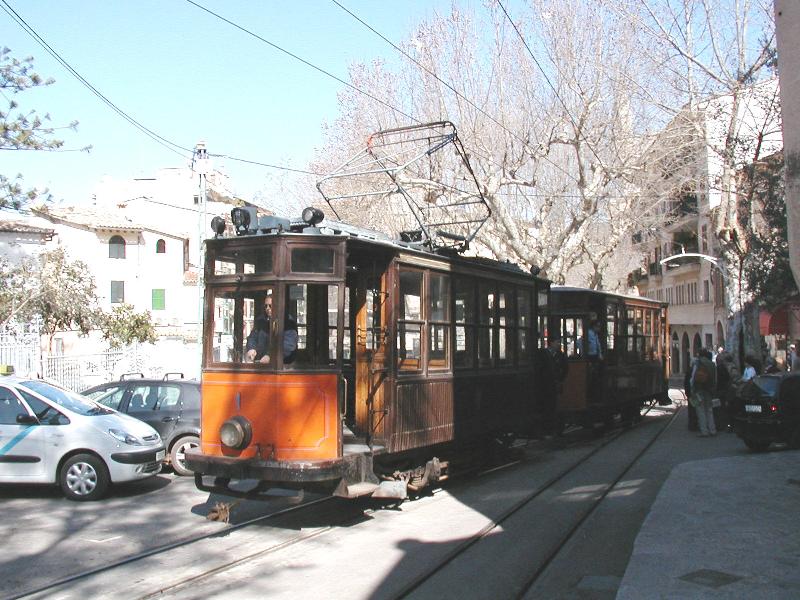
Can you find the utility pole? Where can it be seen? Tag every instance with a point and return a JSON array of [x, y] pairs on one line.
[[201, 166]]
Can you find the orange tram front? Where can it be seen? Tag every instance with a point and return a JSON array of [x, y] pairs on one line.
[[338, 360]]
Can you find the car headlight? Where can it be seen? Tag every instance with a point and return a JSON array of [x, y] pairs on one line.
[[125, 437]]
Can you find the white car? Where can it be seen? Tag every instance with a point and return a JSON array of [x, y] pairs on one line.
[[51, 435]]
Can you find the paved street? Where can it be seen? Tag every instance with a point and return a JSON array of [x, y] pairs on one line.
[[48, 538]]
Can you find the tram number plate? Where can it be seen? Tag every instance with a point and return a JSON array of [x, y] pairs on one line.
[[752, 408], [162, 453]]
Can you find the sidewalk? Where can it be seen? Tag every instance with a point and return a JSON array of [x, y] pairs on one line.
[[721, 528]]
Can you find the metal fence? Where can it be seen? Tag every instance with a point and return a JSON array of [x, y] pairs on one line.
[[19, 346], [78, 372]]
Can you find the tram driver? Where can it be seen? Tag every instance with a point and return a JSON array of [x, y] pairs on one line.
[[257, 346]]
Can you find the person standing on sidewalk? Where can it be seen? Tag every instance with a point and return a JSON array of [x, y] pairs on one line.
[[703, 384]]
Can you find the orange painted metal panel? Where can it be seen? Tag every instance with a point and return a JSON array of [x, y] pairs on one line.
[[293, 416]]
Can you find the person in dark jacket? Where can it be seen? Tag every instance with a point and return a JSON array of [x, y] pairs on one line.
[[687, 389], [703, 384], [552, 369], [257, 346]]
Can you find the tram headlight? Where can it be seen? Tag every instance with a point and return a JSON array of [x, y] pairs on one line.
[[218, 225], [312, 215], [243, 218], [236, 433]]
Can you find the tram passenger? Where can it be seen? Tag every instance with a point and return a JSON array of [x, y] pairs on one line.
[[552, 372], [257, 346], [593, 347]]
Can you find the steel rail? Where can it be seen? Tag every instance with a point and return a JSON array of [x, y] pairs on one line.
[[461, 548], [166, 548]]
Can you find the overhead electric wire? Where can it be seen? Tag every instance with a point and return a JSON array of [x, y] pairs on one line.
[[302, 60], [451, 88], [38, 39], [169, 145], [547, 79]]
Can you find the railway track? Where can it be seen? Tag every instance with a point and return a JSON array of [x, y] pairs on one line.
[[332, 513], [417, 586]]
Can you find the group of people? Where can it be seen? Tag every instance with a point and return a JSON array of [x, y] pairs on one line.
[[709, 384]]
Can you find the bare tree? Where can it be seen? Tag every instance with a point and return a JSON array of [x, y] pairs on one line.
[[553, 109]]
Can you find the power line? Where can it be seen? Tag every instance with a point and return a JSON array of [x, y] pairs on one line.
[[169, 145], [302, 60], [451, 88], [38, 39], [547, 79], [262, 164]]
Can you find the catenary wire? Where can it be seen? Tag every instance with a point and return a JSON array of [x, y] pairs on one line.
[[302, 60], [172, 146], [451, 88], [547, 79], [169, 145]]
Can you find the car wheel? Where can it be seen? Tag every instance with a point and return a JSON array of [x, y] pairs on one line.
[[756, 445], [177, 455], [84, 477]]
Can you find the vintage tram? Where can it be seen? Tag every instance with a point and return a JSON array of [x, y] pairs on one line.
[[339, 360], [627, 366]]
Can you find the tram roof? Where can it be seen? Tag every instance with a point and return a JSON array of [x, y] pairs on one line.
[[337, 229], [567, 288]]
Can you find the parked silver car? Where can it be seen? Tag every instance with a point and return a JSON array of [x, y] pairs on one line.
[[51, 435]]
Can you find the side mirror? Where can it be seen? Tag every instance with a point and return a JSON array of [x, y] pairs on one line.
[[25, 419]]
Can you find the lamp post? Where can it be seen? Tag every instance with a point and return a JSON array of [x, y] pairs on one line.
[[201, 166]]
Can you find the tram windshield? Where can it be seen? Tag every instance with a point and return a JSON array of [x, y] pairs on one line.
[[272, 326]]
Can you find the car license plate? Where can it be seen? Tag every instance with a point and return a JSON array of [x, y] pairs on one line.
[[752, 408], [162, 453]]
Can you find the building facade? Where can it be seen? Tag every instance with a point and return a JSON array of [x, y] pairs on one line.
[[681, 252]]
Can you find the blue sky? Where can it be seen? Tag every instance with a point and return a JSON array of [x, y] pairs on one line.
[[188, 76]]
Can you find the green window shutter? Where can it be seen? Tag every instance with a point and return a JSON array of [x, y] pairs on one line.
[[158, 300]]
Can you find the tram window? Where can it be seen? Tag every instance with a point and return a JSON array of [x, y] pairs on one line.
[[487, 307], [409, 346], [243, 260], [611, 327], [411, 295], [312, 260], [464, 291], [439, 317], [243, 327], [309, 325], [572, 336], [543, 332], [347, 349], [524, 323], [374, 333], [409, 334], [506, 319]]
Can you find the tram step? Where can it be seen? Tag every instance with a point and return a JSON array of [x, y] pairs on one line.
[[355, 448]]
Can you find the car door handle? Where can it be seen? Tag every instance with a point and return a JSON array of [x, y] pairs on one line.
[[168, 419]]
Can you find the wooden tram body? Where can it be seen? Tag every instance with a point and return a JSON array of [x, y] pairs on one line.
[[633, 369], [402, 355]]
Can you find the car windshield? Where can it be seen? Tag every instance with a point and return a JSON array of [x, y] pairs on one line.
[[767, 385], [66, 399]]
